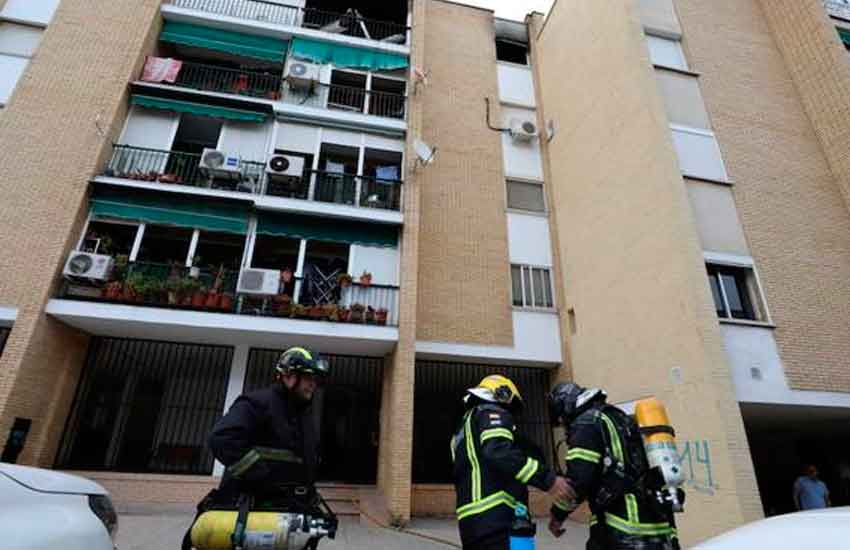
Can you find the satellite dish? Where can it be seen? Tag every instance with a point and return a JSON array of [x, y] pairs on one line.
[[425, 152]]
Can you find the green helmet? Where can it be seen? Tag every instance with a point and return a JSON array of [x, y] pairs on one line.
[[302, 361]]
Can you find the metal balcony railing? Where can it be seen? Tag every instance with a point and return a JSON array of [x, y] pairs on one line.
[[214, 290], [351, 99], [348, 24], [172, 167], [838, 8], [210, 78]]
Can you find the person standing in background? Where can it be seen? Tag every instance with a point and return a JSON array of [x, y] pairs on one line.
[[810, 493]]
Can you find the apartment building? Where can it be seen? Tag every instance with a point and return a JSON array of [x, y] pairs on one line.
[[426, 194]]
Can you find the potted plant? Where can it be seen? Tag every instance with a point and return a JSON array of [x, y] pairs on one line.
[[300, 312], [134, 287], [331, 312], [344, 280], [316, 312], [283, 305], [112, 291], [286, 275], [195, 270], [227, 301], [370, 315], [381, 316], [357, 313], [343, 314], [366, 279], [199, 298]]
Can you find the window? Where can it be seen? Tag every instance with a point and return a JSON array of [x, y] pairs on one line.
[[112, 239], [523, 195], [736, 293], [682, 99], [36, 12], [666, 52], [699, 154], [165, 245], [511, 51], [532, 287], [17, 45]]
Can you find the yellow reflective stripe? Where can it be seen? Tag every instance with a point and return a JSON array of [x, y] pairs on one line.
[[496, 432], [485, 504], [615, 438], [636, 528], [473, 459], [527, 471], [593, 520], [632, 508], [577, 453], [306, 353], [278, 455], [244, 464], [565, 506]]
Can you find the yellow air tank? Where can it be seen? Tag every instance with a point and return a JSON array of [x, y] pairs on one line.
[[659, 441], [264, 531]]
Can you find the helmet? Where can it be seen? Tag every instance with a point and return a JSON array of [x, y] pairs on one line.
[[302, 361], [497, 389], [567, 400]]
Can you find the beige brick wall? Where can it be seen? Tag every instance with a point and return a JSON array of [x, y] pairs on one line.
[[630, 251], [464, 286], [54, 134], [777, 86]]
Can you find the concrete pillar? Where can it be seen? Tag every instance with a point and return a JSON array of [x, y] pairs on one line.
[[235, 386]]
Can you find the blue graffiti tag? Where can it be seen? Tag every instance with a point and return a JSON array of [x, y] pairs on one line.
[[699, 478]]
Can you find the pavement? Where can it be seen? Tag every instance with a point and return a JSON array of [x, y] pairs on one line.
[[158, 530]]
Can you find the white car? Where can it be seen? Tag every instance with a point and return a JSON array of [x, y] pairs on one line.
[[48, 510], [827, 529]]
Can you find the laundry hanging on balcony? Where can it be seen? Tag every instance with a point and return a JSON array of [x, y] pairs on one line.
[[161, 69], [171, 209], [235, 43], [343, 56], [199, 109], [320, 229]]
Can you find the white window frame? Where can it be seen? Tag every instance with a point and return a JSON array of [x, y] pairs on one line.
[[701, 132], [368, 89], [528, 268], [527, 181], [758, 300], [679, 65]]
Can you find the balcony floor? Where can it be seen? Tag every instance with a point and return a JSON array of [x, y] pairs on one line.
[[222, 329]]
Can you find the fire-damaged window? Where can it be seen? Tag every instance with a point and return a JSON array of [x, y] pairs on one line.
[[384, 21], [438, 411]]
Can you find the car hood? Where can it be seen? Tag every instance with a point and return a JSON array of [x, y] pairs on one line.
[[50, 481]]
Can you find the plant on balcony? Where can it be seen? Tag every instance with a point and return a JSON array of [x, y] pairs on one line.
[[282, 305], [227, 302], [381, 316], [113, 290], [366, 279], [286, 275], [370, 315], [199, 297], [344, 280], [343, 314], [213, 300], [331, 312], [134, 287], [300, 312], [169, 179], [357, 311], [317, 313]]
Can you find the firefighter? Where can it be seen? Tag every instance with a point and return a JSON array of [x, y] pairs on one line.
[[607, 467], [268, 439], [491, 471]]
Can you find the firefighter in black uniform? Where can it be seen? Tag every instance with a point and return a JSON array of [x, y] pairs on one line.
[[607, 467], [492, 472], [268, 440]]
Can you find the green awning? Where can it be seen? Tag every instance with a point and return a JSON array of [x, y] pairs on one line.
[[171, 209], [845, 36], [346, 56], [341, 231], [199, 109], [236, 43]]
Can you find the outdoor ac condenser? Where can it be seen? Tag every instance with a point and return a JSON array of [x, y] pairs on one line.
[[301, 75], [285, 166], [83, 265], [217, 164], [259, 282], [523, 130]]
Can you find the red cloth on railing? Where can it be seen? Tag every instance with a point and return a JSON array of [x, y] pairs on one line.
[[161, 69]]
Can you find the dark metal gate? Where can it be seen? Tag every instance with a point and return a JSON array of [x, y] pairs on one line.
[[348, 408], [4, 335], [438, 410], [146, 407]]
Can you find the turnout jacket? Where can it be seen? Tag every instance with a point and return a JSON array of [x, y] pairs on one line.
[[492, 472], [599, 438], [266, 438]]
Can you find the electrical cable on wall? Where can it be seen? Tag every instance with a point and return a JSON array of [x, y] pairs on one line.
[[489, 124]]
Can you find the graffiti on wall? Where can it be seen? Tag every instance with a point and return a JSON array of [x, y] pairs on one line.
[[695, 457]]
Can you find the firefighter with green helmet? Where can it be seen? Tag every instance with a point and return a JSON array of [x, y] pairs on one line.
[[492, 472]]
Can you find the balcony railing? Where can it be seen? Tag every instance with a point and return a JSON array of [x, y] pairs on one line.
[[210, 78], [838, 8], [174, 168], [351, 99], [348, 24], [173, 286]]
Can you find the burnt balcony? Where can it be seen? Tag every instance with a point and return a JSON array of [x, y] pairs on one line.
[[350, 23], [214, 290], [212, 78], [141, 164], [350, 99]]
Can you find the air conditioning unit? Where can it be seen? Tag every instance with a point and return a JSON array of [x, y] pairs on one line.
[[301, 75], [84, 265], [285, 166], [259, 282], [217, 164], [523, 130]]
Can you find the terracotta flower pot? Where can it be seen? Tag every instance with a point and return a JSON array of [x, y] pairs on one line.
[[199, 299], [213, 300], [226, 303]]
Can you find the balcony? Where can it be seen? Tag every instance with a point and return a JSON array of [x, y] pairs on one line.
[[346, 24], [349, 99], [210, 78], [838, 8], [172, 286], [172, 168]]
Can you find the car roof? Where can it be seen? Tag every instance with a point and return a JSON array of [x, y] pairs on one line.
[[814, 529], [50, 481]]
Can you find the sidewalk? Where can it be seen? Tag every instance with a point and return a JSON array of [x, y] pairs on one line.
[[159, 531]]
